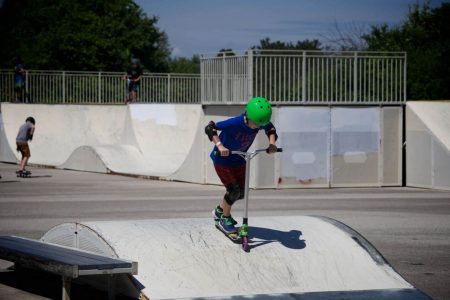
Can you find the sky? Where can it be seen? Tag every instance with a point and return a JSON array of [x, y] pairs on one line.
[[206, 26]]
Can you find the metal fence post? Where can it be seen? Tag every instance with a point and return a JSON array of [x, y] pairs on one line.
[[202, 81], [249, 75], [224, 79], [64, 87], [404, 77], [99, 87], [168, 88], [355, 76], [304, 77]]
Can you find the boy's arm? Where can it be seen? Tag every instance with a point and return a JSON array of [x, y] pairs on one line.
[[211, 132], [31, 132], [271, 133], [140, 73]]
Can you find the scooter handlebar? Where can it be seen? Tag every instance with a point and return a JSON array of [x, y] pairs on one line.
[[255, 151]]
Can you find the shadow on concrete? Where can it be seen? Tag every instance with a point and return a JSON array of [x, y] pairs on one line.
[[259, 236], [38, 176]]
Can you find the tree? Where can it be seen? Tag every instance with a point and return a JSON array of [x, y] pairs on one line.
[[226, 52], [425, 36], [185, 65], [80, 35], [349, 37], [266, 44]]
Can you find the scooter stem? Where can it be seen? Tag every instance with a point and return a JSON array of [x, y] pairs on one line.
[[248, 158]]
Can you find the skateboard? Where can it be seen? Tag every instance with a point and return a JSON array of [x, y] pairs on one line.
[[23, 174]]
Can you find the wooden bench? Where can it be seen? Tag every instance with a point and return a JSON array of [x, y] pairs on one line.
[[67, 262]]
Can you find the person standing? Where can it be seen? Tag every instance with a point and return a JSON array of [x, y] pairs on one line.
[[133, 78], [19, 80], [24, 135]]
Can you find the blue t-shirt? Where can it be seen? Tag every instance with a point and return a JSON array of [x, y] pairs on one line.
[[235, 135]]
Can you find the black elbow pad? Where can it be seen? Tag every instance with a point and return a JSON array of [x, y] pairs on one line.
[[272, 131], [211, 130]]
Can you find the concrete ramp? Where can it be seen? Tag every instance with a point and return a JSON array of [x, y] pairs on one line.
[[314, 257], [428, 144], [60, 129], [124, 159], [6, 149], [157, 140]]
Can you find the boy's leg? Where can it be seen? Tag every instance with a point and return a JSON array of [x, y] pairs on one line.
[[226, 208], [233, 179], [23, 163], [135, 90], [25, 151]]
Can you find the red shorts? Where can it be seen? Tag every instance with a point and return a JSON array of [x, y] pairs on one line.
[[231, 175]]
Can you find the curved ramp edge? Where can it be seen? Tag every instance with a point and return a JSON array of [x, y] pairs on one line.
[[7, 153], [296, 255], [52, 144], [428, 144], [165, 135], [435, 116], [120, 159]]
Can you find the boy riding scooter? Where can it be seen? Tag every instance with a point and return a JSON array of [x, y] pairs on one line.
[[237, 134]]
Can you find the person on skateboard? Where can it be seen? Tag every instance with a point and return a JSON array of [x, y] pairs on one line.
[[237, 134], [25, 134]]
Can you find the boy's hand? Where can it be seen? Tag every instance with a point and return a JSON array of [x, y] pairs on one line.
[[272, 149], [223, 151]]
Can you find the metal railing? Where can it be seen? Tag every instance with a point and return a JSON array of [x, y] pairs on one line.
[[225, 79], [282, 76], [56, 87], [307, 77]]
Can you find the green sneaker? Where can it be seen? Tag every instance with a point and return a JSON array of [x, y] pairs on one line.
[[217, 213], [227, 224]]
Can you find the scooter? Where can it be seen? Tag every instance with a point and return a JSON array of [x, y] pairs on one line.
[[242, 235]]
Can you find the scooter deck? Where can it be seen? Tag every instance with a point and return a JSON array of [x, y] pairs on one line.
[[234, 237]]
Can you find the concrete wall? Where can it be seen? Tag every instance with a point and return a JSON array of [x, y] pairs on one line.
[[339, 146], [323, 146], [428, 144]]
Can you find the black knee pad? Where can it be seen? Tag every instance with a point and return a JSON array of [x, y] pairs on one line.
[[233, 193], [241, 193]]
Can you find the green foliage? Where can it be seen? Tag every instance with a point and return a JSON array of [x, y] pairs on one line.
[[185, 65], [425, 36], [80, 35], [226, 52], [266, 44]]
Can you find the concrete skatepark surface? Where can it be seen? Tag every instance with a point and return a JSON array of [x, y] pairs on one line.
[[409, 226], [189, 258]]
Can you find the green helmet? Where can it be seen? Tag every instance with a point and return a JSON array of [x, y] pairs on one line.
[[259, 111]]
